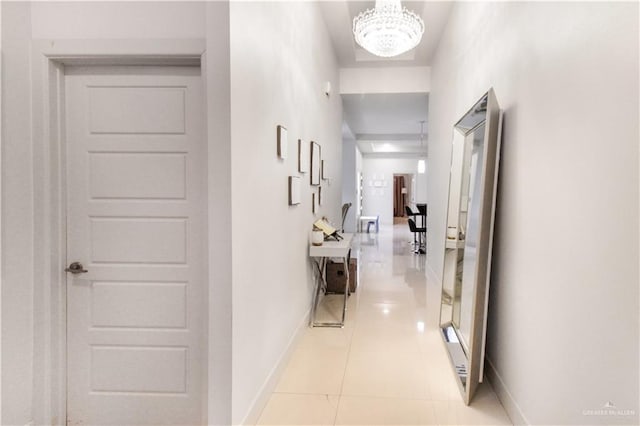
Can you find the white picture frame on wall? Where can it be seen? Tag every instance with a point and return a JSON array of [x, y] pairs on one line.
[[303, 157], [315, 164], [295, 188], [325, 170], [283, 145]]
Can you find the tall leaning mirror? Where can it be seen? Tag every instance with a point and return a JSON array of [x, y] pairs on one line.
[[468, 241]]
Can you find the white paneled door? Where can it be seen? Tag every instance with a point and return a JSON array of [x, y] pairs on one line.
[[135, 209]]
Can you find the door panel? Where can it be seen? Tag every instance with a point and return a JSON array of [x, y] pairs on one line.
[[142, 176], [135, 179], [138, 240], [136, 110], [139, 304]]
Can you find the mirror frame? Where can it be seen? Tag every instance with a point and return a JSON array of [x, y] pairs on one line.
[[470, 375]]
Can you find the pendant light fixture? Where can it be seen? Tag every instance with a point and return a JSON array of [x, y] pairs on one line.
[[422, 166], [389, 29]]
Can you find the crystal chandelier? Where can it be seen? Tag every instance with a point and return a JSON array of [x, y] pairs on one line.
[[389, 29]]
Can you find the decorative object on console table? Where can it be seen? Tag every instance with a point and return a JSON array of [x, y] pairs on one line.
[[303, 157], [317, 236], [319, 195], [282, 142], [452, 233], [329, 230], [313, 202], [324, 226], [315, 163], [294, 190]]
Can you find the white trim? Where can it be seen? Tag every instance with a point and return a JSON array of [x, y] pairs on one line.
[[1, 195], [216, 65], [502, 392], [432, 276], [67, 51], [48, 60], [49, 297], [269, 385]]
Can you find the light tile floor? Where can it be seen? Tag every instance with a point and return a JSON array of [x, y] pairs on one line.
[[387, 366]]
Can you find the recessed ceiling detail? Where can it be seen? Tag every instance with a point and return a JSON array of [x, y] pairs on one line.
[[387, 123], [339, 15]]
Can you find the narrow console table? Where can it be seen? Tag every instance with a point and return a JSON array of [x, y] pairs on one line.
[[320, 255], [366, 220]]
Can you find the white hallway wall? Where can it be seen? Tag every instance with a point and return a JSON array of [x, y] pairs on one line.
[[0, 210], [217, 68], [385, 80], [351, 168], [124, 20], [357, 205], [281, 55], [17, 217], [379, 200], [563, 315]]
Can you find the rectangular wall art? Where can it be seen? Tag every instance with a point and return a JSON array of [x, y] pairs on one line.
[[303, 156], [295, 184], [315, 163], [325, 170], [282, 142]]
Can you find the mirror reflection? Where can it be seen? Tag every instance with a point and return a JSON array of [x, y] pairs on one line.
[[470, 210], [467, 248]]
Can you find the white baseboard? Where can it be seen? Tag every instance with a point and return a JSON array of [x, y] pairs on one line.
[[508, 402], [271, 382], [502, 392], [431, 274]]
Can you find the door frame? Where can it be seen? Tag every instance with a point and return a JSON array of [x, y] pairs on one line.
[[49, 58]]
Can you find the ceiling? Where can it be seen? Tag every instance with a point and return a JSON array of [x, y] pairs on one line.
[[338, 16], [385, 124]]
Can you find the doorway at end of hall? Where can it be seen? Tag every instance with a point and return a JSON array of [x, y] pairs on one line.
[[403, 190]]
